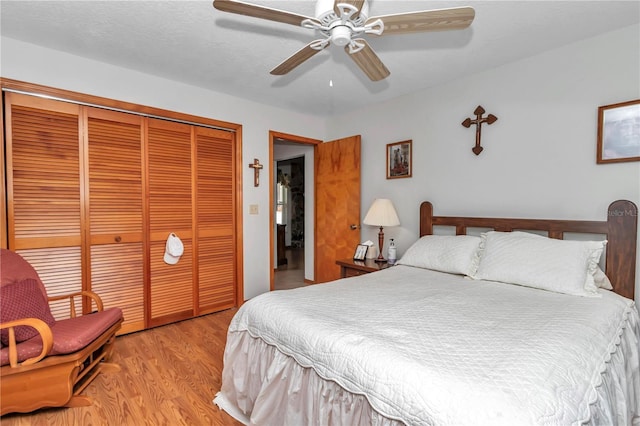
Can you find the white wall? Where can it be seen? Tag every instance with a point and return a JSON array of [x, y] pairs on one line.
[[34, 64], [538, 161], [539, 158]]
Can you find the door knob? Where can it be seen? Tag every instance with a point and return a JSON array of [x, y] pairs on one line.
[[353, 227]]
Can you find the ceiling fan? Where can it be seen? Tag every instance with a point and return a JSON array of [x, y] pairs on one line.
[[344, 22]]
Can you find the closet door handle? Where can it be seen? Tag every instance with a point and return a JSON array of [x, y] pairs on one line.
[[118, 239], [354, 227]]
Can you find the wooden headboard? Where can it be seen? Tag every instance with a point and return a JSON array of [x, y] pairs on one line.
[[620, 229]]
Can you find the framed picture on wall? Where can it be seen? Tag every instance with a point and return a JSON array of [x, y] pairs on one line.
[[399, 160], [619, 132]]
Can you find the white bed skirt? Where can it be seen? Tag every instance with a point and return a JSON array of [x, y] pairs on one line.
[[262, 386]]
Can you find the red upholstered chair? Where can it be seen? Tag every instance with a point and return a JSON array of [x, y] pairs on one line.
[[47, 362]]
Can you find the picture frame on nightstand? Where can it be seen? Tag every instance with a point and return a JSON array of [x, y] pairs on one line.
[[361, 252]]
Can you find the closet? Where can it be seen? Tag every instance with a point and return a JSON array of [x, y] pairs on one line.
[[93, 193]]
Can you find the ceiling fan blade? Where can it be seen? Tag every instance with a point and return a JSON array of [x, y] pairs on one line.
[[367, 60], [456, 18], [247, 9], [356, 3], [300, 56]]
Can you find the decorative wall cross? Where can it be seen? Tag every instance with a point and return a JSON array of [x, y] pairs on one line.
[[256, 166], [490, 119]]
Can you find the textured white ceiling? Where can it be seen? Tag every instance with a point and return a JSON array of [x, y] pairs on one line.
[[190, 41]]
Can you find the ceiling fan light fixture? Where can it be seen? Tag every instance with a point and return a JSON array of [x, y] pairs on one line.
[[341, 35]]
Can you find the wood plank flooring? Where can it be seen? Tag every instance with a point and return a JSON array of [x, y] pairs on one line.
[[169, 376]]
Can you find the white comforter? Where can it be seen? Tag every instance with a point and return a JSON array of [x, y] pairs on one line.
[[431, 348]]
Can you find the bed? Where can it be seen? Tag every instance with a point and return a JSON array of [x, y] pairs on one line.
[[502, 328]]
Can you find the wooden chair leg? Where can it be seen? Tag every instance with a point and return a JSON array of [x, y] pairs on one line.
[[109, 367], [79, 401]]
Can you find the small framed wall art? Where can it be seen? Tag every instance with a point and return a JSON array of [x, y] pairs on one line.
[[399, 160], [619, 132]]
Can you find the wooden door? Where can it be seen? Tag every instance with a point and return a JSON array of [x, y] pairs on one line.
[[215, 240], [170, 293], [43, 149], [115, 178], [337, 205]]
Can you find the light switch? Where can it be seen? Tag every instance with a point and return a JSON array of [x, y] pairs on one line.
[[253, 209]]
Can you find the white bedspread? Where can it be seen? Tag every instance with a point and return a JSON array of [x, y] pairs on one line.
[[430, 348]]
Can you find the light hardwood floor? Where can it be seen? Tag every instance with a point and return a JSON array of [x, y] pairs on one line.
[[169, 376]]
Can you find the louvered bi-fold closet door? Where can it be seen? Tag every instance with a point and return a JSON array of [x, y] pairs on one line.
[[215, 219], [172, 287], [116, 217], [44, 167], [93, 194]]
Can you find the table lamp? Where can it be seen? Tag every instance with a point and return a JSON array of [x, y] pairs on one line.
[[381, 213]]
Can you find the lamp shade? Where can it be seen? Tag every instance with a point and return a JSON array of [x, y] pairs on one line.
[[381, 213]]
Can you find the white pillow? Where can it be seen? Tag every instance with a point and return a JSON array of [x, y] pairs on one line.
[[531, 260], [601, 280], [444, 253]]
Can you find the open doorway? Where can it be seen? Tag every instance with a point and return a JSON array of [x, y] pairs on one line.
[[290, 220], [292, 210]]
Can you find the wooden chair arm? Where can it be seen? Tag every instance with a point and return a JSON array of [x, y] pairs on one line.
[[42, 328], [72, 303]]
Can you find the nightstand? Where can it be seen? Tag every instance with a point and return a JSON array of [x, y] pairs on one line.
[[352, 268]]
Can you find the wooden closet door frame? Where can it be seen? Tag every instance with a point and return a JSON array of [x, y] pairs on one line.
[[3, 183], [7, 84]]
